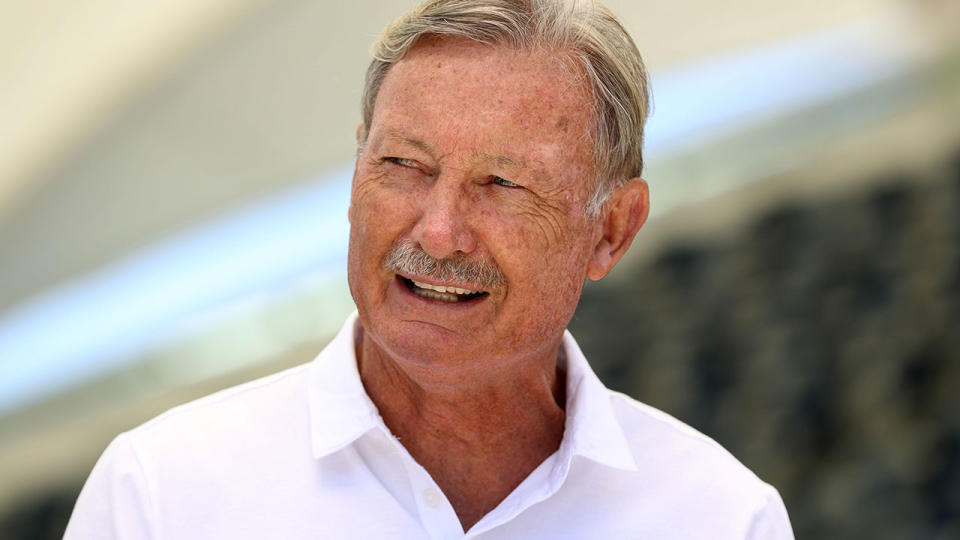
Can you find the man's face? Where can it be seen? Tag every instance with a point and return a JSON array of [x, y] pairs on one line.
[[480, 155]]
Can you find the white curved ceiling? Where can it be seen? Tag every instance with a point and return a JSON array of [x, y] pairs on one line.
[[126, 121]]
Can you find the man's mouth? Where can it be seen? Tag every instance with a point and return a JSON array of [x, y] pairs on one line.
[[441, 292]]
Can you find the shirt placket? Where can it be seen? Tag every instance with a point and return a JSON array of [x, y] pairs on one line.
[[436, 513], [542, 483]]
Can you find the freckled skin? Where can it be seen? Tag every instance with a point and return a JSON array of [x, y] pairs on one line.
[[463, 101], [472, 390]]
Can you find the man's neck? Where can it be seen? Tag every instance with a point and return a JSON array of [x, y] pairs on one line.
[[478, 436]]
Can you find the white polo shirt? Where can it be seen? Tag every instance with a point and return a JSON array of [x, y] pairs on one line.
[[304, 454]]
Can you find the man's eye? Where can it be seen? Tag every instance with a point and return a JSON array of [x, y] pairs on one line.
[[504, 182], [403, 162]]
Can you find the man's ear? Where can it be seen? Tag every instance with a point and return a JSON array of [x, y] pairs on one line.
[[361, 132], [625, 213]]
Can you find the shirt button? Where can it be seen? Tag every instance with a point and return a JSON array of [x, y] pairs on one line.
[[431, 498]]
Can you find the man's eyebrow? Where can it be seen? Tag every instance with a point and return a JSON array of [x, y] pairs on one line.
[[502, 160], [416, 143]]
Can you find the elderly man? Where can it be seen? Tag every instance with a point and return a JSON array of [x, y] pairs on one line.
[[498, 168]]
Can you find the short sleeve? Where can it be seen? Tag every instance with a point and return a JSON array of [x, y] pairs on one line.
[[771, 521], [115, 501]]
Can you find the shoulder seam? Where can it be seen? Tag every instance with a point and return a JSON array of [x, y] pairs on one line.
[[762, 505], [152, 518]]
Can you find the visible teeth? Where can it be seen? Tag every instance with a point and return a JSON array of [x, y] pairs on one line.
[[442, 288]]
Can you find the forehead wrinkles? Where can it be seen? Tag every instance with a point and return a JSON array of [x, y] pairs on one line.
[[472, 94], [553, 83]]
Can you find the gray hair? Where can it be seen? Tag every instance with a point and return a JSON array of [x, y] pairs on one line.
[[406, 256], [587, 31]]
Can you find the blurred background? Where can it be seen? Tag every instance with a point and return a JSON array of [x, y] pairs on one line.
[[174, 179]]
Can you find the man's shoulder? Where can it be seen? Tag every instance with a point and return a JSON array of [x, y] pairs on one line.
[[642, 420], [679, 455], [262, 407]]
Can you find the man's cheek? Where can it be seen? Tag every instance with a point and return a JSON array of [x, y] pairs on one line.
[[387, 207]]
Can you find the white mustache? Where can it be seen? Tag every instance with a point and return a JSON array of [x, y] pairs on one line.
[[408, 258]]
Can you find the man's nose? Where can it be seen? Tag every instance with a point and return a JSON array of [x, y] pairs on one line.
[[442, 228]]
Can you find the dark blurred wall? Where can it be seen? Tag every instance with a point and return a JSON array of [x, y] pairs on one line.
[[820, 345]]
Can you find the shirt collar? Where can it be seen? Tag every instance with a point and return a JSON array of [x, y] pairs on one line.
[[341, 411], [592, 429]]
